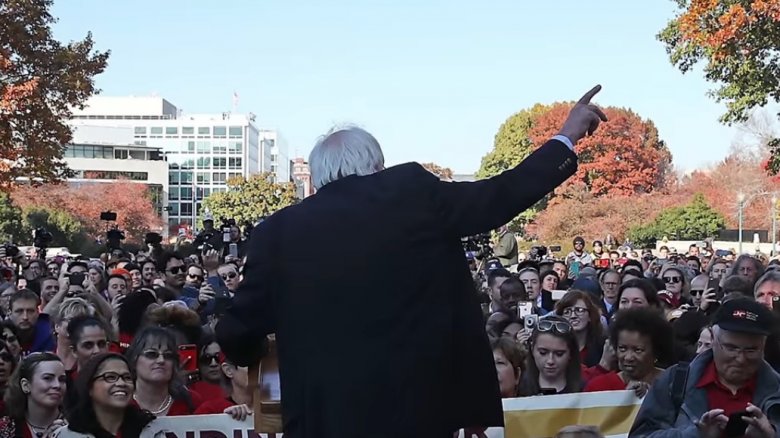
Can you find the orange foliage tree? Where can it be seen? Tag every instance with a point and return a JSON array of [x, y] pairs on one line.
[[41, 80], [624, 157], [130, 201]]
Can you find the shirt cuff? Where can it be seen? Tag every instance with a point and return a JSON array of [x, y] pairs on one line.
[[565, 140]]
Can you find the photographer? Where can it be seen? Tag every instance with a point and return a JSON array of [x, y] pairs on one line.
[[233, 237], [208, 238], [214, 295], [506, 247]]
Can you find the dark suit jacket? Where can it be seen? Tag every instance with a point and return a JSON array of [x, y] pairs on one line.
[[378, 325]]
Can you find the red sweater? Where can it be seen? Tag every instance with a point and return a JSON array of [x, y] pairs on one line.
[[606, 382], [216, 406], [179, 407]]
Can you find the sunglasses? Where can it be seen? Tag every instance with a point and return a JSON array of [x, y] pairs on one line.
[[672, 280], [695, 292], [6, 357], [111, 377], [208, 358], [176, 270], [154, 355], [231, 275], [197, 277], [546, 325]]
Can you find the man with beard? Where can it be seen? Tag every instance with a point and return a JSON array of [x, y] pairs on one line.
[[174, 271], [35, 334], [732, 380]]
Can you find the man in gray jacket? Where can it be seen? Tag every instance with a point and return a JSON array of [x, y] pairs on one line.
[[732, 382], [506, 248]]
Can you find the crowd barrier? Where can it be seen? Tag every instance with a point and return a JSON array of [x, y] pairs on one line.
[[528, 417]]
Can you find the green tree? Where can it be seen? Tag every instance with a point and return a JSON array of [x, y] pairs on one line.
[[739, 42], [251, 199], [512, 143], [65, 229], [41, 81], [694, 221], [10, 220]]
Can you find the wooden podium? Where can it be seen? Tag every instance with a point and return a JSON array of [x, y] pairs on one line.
[[267, 393]]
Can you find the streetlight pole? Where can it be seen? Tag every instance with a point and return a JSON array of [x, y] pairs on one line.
[[741, 200], [774, 225]]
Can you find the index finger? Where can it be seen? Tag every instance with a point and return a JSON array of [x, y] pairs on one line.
[[585, 100]]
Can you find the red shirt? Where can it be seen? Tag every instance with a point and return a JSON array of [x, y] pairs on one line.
[[216, 406], [592, 372], [583, 354], [720, 397], [208, 391], [606, 382], [179, 407]]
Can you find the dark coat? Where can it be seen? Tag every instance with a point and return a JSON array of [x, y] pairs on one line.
[[377, 321]]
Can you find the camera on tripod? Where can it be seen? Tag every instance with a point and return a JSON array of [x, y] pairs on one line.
[[42, 238], [114, 235], [478, 245]]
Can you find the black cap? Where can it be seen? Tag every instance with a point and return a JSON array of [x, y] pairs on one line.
[[743, 315], [579, 239]]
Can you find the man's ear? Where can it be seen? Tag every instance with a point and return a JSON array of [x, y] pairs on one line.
[[228, 370]]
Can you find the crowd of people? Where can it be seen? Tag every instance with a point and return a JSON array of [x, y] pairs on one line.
[[695, 333], [100, 347]]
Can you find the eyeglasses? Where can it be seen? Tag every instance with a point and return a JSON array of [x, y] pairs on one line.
[[198, 277], [733, 350], [545, 325], [10, 338], [231, 275], [176, 270], [154, 355], [695, 292], [111, 377], [672, 280], [579, 311], [208, 358]]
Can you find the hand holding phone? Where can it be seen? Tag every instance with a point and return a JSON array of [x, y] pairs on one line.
[[188, 357], [736, 426]]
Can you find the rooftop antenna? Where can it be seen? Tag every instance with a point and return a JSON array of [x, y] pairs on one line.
[[235, 102]]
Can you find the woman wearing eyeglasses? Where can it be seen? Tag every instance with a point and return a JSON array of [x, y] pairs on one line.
[[676, 283], [553, 366], [104, 406], [34, 397], [10, 335], [7, 365], [642, 340], [585, 319], [210, 360], [154, 359]]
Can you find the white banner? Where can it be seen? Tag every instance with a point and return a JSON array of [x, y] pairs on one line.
[[612, 412]]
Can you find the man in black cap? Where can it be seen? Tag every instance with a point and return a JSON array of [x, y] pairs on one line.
[[731, 384], [579, 254]]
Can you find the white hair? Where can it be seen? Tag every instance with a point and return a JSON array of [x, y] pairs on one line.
[[342, 152]]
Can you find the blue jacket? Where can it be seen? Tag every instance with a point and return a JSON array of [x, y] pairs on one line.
[[656, 415], [43, 339]]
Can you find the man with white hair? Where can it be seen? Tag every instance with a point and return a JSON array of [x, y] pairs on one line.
[[396, 347]]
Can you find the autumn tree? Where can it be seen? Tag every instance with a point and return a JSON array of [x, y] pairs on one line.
[[512, 143], [739, 43], [693, 221], [624, 157], [131, 202], [41, 80], [444, 173], [251, 199]]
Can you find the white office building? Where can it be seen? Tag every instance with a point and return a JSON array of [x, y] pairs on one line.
[[277, 154], [202, 151]]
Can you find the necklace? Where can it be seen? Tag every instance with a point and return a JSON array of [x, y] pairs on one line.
[[164, 406], [38, 431]]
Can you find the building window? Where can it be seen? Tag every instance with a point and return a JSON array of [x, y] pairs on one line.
[[203, 163], [234, 163], [174, 208], [139, 130], [204, 147], [220, 132], [111, 174], [188, 164], [187, 130], [138, 155], [186, 209], [232, 175], [236, 147], [157, 130], [191, 146], [120, 154], [186, 178], [186, 193], [219, 178], [236, 131], [171, 130], [220, 148], [204, 178], [220, 163], [173, 194], [204, 130], [173, 177], [203, 192]]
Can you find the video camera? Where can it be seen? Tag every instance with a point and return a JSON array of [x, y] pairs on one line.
[[479, 245], [10, 250], [153, 239], [42, 238], [537, 253], [114, 236]]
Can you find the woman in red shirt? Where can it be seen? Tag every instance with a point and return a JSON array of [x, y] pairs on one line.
[[239, 398], [585, 319], [154, 358], [642, 339]]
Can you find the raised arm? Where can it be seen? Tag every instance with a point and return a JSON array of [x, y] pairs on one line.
[[471, 208]]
